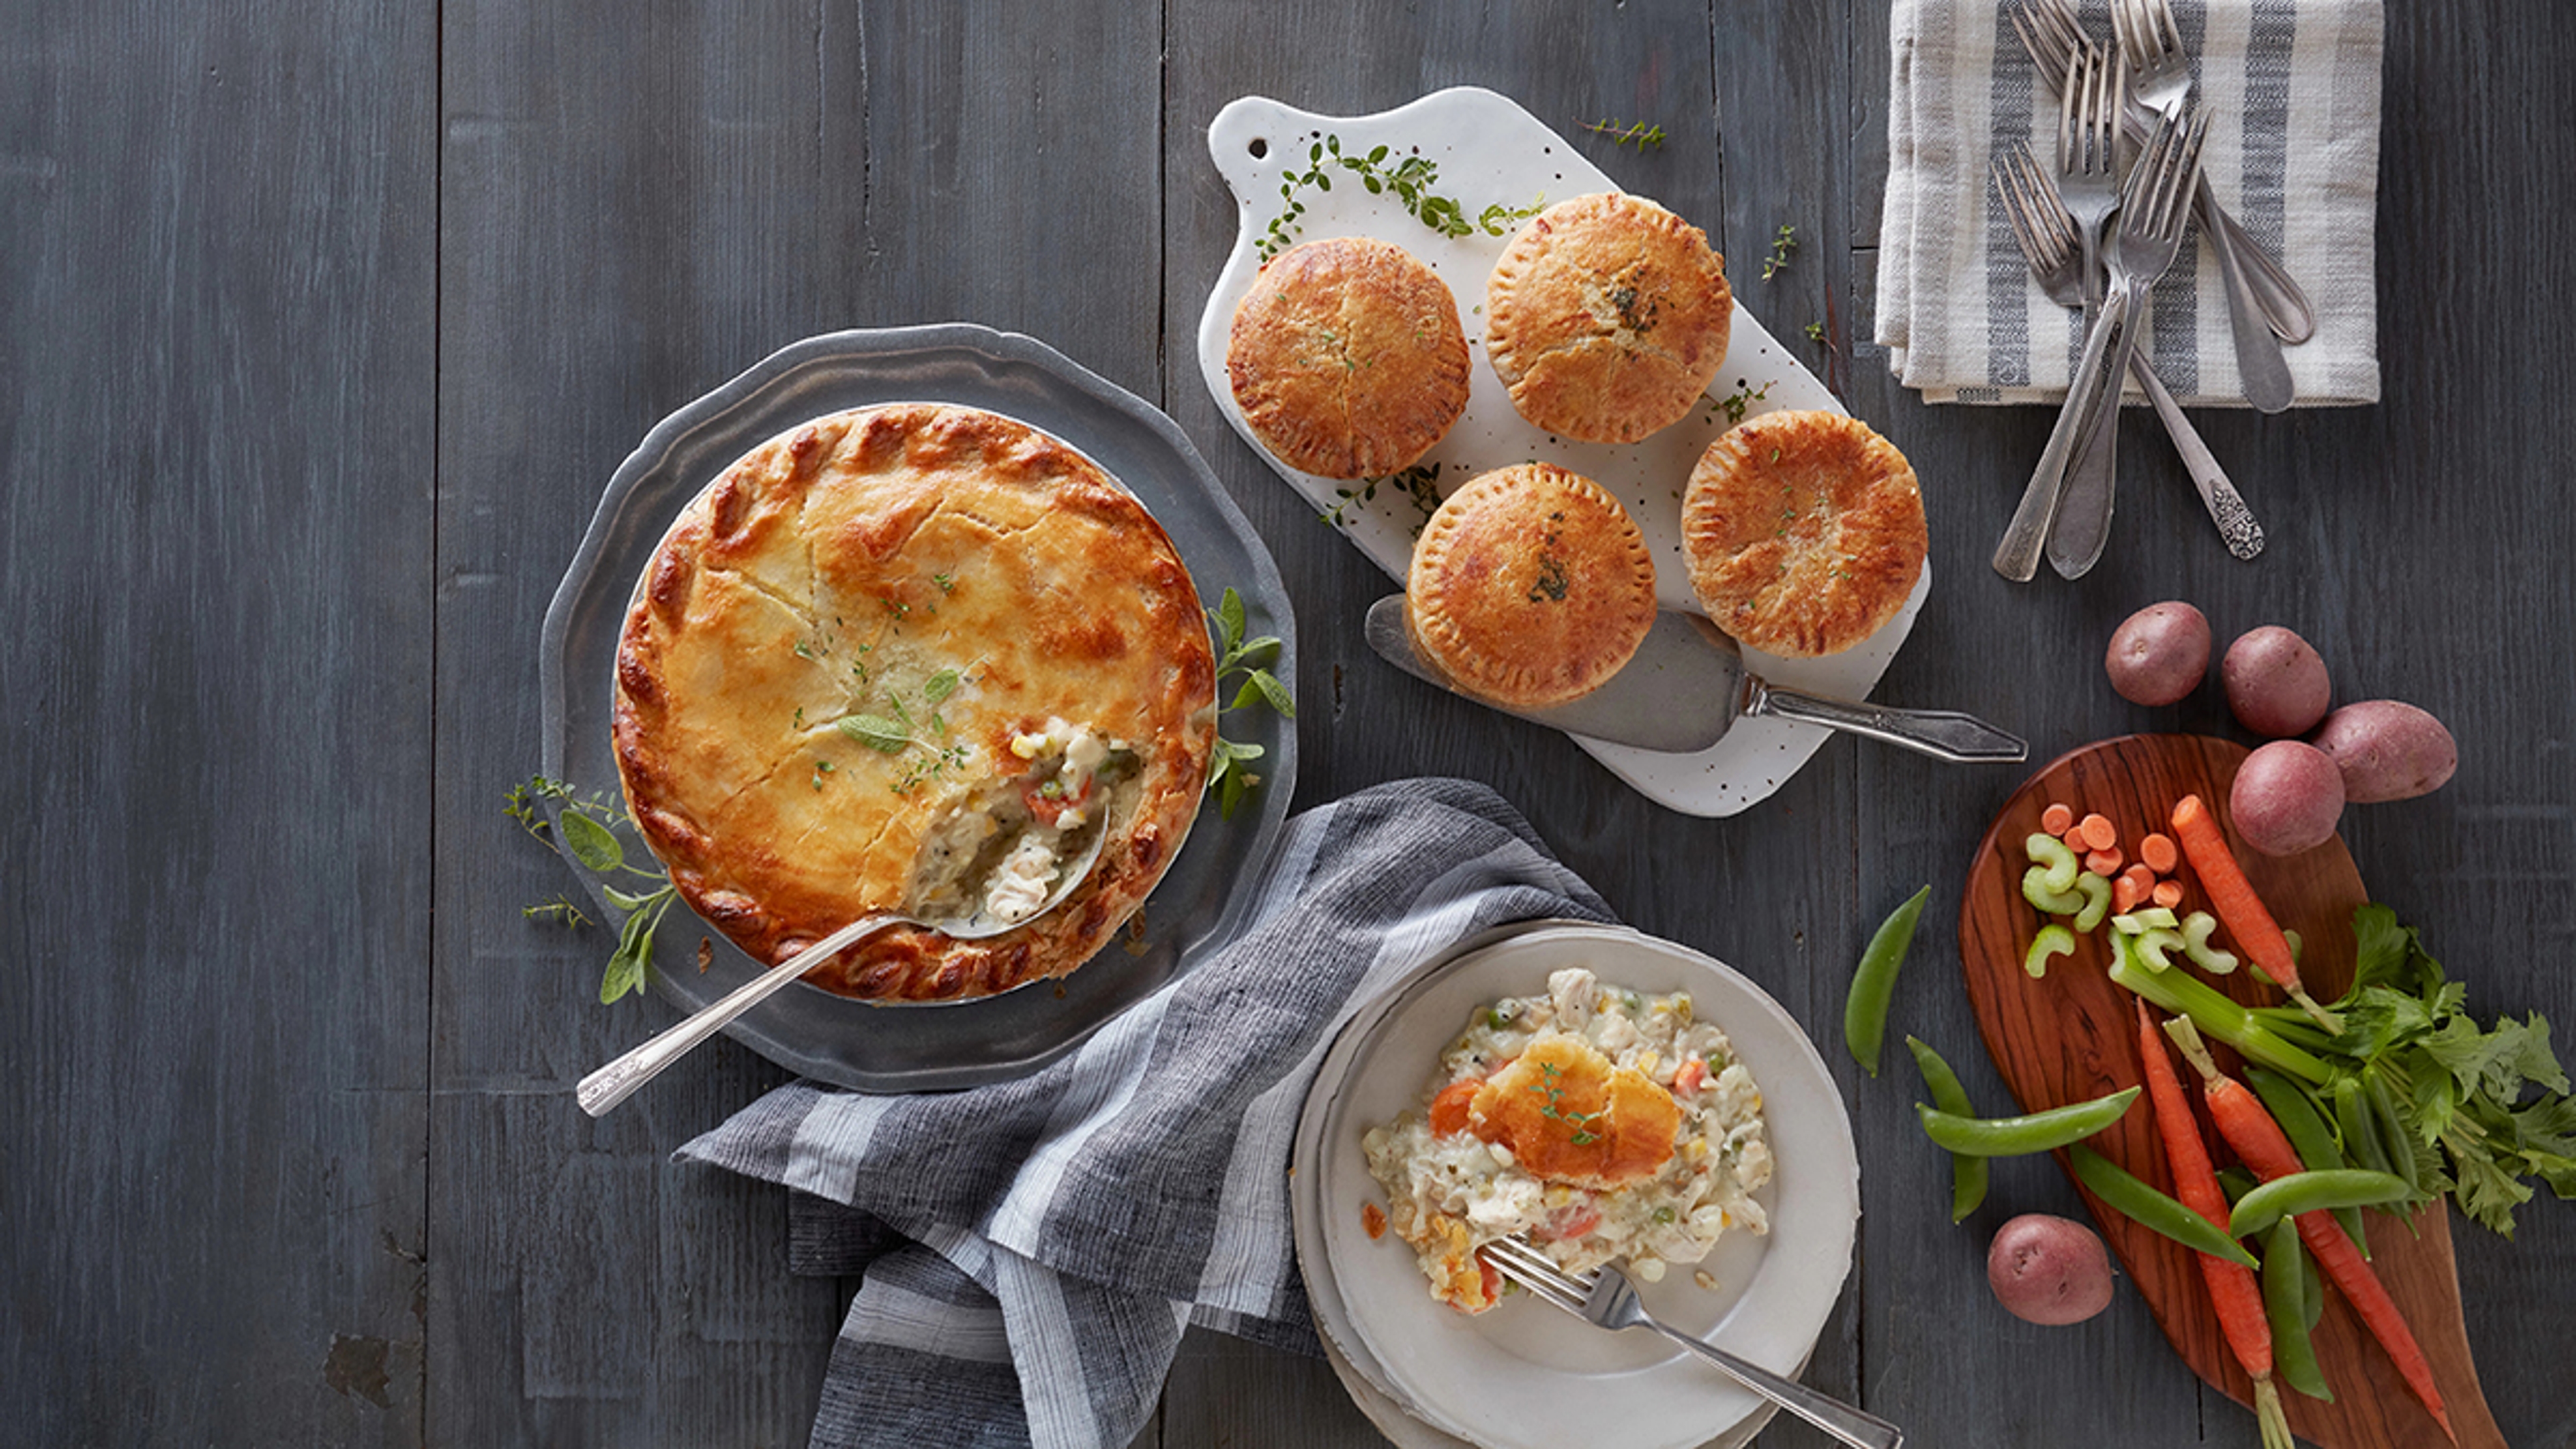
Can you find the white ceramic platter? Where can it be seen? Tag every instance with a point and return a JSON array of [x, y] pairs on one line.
[[1489, 151], [1526, 1374]]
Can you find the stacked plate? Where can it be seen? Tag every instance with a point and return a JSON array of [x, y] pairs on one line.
[[1526, 1374]]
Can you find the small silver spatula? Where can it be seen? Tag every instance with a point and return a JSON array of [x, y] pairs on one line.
[[1688, 685]]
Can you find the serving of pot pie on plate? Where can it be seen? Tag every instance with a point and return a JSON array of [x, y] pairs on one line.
[[1803, 532], [1607, 318], [1530, 586], [905, 657], [1347, 358]]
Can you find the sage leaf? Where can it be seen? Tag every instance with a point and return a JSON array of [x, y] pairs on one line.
[[591, 842], [941, 685], [1229, 619], [876, 732]]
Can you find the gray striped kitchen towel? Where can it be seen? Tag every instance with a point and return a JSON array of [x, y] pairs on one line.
[[1033, 1250], [2293, 150]]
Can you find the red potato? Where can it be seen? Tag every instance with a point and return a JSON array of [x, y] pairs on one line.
[[2159, 654], [2288, 797], [2388, 750], [2276, 683], [2048, 1270]]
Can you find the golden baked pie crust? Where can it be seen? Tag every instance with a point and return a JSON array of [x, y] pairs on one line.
[[1347, 358], [1803, 532], [838, 570], [1530, 586], [1607, 317]]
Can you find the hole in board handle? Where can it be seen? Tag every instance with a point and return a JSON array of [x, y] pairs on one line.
[[1259, 148]]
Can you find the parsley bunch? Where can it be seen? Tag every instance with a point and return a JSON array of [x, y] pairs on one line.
[[2456, 1092], [1237, 655], [590, 832]]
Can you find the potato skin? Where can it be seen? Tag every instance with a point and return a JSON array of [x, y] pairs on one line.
[[2388, 749], [2276, 682], [2287, 798], [2159, 654], [2048, 1270]]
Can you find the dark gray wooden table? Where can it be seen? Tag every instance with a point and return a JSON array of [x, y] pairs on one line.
[[322, 326]]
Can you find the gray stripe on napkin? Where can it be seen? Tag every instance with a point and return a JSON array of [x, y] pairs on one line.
[[2011, 94], [2272, 40], [1095, 1207]]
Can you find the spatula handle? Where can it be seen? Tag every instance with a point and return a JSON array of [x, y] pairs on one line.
[[1942, 734]]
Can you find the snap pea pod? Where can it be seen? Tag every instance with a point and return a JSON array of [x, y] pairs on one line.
[[2393, 1140], [2286, 1291], [1967, 1174], [2309, 1135], [2152, 1210], [2294, 1193], [2360, 1135], [2018, 1136], [2235, 1182], [1873, 983]]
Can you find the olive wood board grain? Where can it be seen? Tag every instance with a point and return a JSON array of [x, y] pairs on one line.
[[2073, 1036]]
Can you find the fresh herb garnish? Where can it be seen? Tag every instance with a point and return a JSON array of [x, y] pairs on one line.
[[1740, 402], [590, 825], [1554, 1109], [1632, 133], [1419, 482], [1553, 580], [1237, 655], [1783, 242], [1410, 178], [1815, 332]]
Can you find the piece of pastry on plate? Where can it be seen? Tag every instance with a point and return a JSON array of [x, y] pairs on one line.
[[900, 654], [1347, 358], [1530, 586], [1607, 317], [1803, 532]]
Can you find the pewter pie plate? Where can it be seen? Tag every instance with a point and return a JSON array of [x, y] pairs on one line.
[[1199, 904]]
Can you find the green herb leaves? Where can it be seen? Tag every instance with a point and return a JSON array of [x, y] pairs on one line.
[[590, 826], [1410, 179], [876, 732], [1419, 483], [1740, 402], [2431, 1078], [1783, 242], [1554, 1110], [1237, 655], [1631, 133]]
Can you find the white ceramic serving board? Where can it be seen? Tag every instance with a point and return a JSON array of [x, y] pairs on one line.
[[1488, 150]]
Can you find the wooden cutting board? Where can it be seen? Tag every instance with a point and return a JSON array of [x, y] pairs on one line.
[[2073, 1036]]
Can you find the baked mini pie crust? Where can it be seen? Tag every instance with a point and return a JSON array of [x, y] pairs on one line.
[[1530, 586], [955, 571], [1803, 532], [1347, 358], [1607, 317]]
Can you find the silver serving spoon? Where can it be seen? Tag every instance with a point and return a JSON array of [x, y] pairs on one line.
[[1686, 687], [617, 1081]]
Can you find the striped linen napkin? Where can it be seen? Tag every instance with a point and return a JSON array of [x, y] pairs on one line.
[[1033, 1250], [2293, 150]]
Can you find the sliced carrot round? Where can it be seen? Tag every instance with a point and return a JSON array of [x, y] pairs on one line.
[[2104, 862], [2057, 819], [2158, 850], [2168, 894], [2099, 832]]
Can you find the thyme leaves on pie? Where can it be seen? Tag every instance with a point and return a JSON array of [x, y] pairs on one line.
[[1408, 178], [1238, 656], [590, 824]]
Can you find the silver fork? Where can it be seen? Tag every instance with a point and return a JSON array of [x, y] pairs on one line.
[[1606, 1298], [2049, 31], [2154, 204], [2047, 239], [2151, 40], [2154, 201]]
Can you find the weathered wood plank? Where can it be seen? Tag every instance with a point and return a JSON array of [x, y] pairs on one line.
[[637, 206], [215, 335]]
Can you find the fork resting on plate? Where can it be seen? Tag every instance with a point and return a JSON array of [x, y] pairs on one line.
[[1605, 1297]]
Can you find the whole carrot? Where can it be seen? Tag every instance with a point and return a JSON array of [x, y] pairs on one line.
[[2233, 1290], [2232, 896], [2262, 1145]]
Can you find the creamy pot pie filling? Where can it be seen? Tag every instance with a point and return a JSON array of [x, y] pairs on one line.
[[1601, 1123]]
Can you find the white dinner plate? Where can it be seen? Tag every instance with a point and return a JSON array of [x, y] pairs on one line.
[[1490, 151], [1526, 1374]]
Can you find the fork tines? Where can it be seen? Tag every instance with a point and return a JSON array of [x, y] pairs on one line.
[[2089, 108], [2157, 195], [2148, 32], [2038, 219], [1524, 1264], [2051, 34]]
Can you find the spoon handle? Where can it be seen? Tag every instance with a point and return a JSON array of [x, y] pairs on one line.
[[617, 1081], [1942, 734]]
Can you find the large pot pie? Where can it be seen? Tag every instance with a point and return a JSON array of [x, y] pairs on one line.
[[900, 657]]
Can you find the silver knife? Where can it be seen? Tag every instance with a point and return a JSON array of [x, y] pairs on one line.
[[1687, 686]]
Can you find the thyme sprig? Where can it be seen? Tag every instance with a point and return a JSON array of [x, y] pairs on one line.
[[1740, 402], [1783, 243], [1554, 1108], [590, 825], [1239, 656], [1631, 133], [1410, 178], [1419, 482]]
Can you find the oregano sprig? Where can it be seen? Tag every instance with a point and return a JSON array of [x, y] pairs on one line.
[[1238, 656]]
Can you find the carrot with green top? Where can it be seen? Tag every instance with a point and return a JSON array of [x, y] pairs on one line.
[[2232, 1288], [2232, 896], [2264, 1147]]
